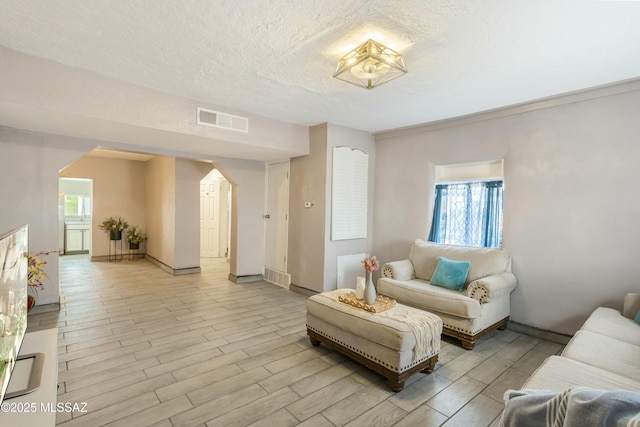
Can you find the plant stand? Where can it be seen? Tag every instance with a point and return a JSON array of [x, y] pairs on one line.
[[115, 250], [134, 252]]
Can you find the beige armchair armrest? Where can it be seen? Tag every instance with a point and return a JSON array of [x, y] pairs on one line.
[[483, 289], [399, 270], [631, 305]]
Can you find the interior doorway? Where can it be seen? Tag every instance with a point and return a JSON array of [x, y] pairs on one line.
[[75, 209], [215, 204], [277, 224]]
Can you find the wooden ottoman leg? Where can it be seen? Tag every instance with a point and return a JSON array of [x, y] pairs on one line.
[[431, 366], [312, 337], [395, 385], [468, 344]]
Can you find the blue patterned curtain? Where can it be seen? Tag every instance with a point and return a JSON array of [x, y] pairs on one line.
[[468, 213]]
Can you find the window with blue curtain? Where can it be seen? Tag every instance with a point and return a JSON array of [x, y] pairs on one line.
[[468, 213]]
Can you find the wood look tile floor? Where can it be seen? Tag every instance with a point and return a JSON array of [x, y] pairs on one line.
[[142, 347]]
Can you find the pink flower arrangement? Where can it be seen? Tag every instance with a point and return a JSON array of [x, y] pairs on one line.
[[370, 263]]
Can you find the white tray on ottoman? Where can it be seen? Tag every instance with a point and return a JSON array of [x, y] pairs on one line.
[[396, 343]]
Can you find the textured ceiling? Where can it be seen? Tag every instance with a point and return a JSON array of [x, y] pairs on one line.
[[275, 57]]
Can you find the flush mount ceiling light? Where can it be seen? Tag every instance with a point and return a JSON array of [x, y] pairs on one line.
[[369, 65]]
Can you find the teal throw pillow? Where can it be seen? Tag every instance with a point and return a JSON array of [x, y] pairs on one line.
[[450, 274], [637, 318]]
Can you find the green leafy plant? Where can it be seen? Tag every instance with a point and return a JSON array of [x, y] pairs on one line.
[[134, 235], [114, 224]]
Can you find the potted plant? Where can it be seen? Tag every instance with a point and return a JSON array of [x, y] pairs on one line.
[[114, 226], [135, 237]]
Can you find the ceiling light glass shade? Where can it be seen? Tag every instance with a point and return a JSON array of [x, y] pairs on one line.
[[370, 64]]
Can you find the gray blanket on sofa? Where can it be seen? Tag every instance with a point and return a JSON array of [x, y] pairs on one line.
[[576, 407]]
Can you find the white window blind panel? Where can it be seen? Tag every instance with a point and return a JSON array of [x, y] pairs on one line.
[[349, 194]]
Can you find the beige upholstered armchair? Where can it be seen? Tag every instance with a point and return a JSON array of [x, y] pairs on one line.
[[480, 306]]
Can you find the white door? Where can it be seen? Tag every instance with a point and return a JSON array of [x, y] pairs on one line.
[[209, 227], [277, 216]]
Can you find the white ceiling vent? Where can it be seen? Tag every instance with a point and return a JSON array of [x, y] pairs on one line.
[[222, 120]]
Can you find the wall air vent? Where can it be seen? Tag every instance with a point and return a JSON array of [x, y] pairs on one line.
[[277, 277], [222, 120]]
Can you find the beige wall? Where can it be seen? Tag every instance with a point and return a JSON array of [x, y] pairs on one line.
[[161, 209], [571, 205], [118, 190], [29, 165], [308, 183], [189, 173], [313, 255], [173, 210]]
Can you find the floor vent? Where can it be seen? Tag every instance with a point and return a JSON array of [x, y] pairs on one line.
[[222, 120], [277, 277]]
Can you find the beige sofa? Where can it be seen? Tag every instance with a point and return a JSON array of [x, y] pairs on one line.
[[483, 304], [604, 354]]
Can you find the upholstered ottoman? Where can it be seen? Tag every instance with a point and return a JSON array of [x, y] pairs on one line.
[[396, 343]]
